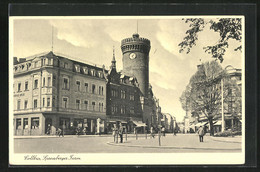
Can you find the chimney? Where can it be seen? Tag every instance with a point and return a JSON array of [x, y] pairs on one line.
[[15, 61], [21, 60]]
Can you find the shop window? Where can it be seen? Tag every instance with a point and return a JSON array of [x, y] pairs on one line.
[[78, 104], [25, 104], [26, 85], [25, 123], [78, 85], [65, 102], [48, 102], [18, 123], [65, 122], [19, 87], [18, 104], [35, 123]]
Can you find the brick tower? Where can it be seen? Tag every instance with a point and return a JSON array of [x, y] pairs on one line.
[[136, 60]]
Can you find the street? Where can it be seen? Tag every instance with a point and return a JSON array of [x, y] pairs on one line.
[[104, 144]]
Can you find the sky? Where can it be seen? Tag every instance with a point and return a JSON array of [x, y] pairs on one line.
[[91, 40]]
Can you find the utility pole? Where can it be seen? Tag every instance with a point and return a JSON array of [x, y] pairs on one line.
[[222, 106]]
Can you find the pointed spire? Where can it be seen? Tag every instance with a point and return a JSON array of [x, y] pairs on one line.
[[113, 65]]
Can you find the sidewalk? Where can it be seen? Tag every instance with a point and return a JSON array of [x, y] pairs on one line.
[[236, 139], [181, 141]]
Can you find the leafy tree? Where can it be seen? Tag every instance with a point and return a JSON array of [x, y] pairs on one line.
[[228, 28], [202, 95]]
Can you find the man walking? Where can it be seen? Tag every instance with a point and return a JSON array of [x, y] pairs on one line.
[[201, 133], [120, 132]]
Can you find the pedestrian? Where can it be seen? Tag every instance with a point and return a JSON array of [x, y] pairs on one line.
[[201, 133], [175, 131], [63, 130], [49, 129], [59, 132], [151, 131], [114, 130], [163, 131], [120, 132]]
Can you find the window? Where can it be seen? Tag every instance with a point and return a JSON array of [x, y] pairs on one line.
[[122, 109], [44, 60], [53, 80], [93, 106], [102, 107], [35, 83], [43, 82], [65, 102], [114, 109], [53, 102], [99, 107], [26, 85], [93, 72], [102, 91], [99, 90], [48, 102], [65, 83], [93, 89], [35, 104], [132, 110], [49, 81], [86, 105], [77, 68], [114, 93], [132, 96], [35, 123], [122, 94], [25, 104], [65, 122], [35, 64], [43, 102], [18, 104], [78, 104], [25, 123], [85, 69], [86, 87], [78, 85], [65, 65], [19, 87], [18, 123]]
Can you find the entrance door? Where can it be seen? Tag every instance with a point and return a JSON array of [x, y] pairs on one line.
[[48, 125]]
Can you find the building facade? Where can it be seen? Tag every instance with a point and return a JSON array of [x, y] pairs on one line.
[[54, 91]]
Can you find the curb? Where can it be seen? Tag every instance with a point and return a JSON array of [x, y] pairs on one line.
[[226, 141], [168, 147]]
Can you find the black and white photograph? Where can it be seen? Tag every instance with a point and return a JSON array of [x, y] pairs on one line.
[[91, 90]]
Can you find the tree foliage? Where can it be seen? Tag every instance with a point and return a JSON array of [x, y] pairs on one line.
[[228, 28], [202, 95]]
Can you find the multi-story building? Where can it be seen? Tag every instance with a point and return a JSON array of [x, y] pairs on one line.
[[51, 90]]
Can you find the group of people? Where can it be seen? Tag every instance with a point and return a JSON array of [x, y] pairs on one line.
[[118, 131]]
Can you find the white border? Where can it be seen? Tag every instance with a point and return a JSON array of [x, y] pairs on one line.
[[128, 158]]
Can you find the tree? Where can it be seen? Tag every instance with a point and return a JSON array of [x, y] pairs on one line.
[[203, 93], [228, 28]]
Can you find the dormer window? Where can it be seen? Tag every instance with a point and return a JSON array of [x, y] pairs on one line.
[[65, 65], [100, 75], [77, 68], [85, 70], [93, 72]]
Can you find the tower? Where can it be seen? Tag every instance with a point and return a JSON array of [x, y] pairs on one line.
[[136, 60]]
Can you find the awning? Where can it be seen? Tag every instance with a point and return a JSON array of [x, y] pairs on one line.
[[139, 123], [218, 123], [111, 121], [201, 124]]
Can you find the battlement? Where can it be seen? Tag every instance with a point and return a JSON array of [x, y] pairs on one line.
[[135, 44]]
